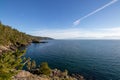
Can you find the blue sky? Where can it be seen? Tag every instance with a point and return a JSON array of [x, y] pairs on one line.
[[63, 19]]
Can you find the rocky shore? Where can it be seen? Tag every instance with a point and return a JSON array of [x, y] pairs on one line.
[[12, 47], [4, 49], [26, 75], [55, 75]]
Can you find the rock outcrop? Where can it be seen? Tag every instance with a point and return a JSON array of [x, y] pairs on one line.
[[25, 75], [4, 48]]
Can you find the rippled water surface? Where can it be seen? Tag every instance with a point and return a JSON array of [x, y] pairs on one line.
[[94, 59]]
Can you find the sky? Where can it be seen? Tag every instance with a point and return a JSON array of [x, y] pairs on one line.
[[63, 19]]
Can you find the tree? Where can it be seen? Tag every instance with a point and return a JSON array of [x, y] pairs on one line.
[[44, 68], [33, 64], [10, 64], [28, 65]]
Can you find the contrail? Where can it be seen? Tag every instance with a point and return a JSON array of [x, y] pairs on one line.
[[77, 22]]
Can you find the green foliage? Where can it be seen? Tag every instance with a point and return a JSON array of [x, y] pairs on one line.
[[12, 37], [9, 36], [10, 63], [44, 68], [30, 65], [33, 64]]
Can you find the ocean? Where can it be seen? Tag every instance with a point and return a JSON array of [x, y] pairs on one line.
[[94, 59]]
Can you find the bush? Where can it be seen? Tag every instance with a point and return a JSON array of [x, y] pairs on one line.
[[45, 69]]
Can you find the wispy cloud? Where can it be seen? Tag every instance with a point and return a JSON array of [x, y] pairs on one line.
[[78, 33], [77, 22], [58, 33]]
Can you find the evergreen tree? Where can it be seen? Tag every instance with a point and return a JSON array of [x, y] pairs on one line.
[[28, 65], [33, 64], [44, 68], [10, 64]]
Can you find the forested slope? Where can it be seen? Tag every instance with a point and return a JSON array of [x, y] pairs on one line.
[[10, 38]]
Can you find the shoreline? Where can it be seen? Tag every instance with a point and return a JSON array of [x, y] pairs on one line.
[[56, 74], [12, 48]]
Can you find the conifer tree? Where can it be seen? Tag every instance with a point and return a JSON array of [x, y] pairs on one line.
[[33, 64], [28, 65], [10, 64], [44, 68]]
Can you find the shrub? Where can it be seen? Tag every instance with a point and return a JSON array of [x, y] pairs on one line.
[[44, 68]]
